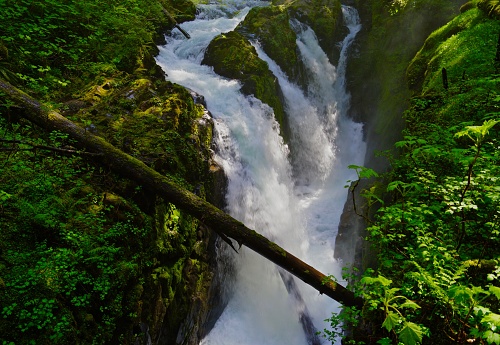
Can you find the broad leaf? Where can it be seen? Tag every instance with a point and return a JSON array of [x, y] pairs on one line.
[[391, 321], [492, 337], [410, 304], [461, 294], [495, 290], [380, 279], [411, 334], [492, 318], [363, 172]]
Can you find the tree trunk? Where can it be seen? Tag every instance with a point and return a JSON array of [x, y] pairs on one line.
[[217, 220]]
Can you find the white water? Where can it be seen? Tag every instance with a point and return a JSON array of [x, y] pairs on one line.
[[299, 207]]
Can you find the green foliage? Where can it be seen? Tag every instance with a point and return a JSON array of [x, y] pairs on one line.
[[438, 240], [78, 258], [477, 133], [52, 44], [381, 296], [67, 252], [436, 233]]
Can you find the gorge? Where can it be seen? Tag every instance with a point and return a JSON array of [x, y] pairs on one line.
[[294, 192], [261, 112]]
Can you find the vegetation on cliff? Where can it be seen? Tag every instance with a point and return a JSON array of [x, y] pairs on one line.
[[436, 233], [85, 255], [392, 33]]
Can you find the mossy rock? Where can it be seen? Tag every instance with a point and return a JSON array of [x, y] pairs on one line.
[[324, 17], [271, 27], [160, 123], [155, 121], [232, 56], [417, 68], [449, 47]]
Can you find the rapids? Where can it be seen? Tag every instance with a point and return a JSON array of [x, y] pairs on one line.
[[292, 192]]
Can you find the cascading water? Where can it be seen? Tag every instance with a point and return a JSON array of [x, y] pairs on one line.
[[298, 207]]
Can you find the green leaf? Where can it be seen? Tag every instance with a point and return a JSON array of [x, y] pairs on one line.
[[391, 321], [380, 279], [384, 341], [410, 304], [477, 133], [492, 318], [492, 337], [394, 185], [495, 290], [461, 294], [411, 334], [363, 172]]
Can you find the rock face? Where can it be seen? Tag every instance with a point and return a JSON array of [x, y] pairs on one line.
[[271, 27], [168, 128], [389, 39]]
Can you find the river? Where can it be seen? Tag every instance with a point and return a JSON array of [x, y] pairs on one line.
[[291, 192]]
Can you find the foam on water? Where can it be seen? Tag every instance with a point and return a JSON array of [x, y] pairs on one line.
[[298, 205]]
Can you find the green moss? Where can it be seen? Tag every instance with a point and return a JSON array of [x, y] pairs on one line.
[[455, 47], [440, 42], [473, 85], [278, 249], [323, 16], [271, 26], [155, 121], [232, 56], [181, 10]]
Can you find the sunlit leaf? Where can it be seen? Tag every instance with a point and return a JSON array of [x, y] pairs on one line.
[[391, 321], [410, 304], [495, 290], [492, 337], [411, 334], [492, 318]]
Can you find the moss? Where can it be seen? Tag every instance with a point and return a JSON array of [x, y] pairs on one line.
[[450, 47], [276, 248], [181, 10], [271, 27], [155, 121], [232, 56], [323, 16], [417, 70]]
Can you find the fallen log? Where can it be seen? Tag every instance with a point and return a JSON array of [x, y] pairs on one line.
[[130, 167]]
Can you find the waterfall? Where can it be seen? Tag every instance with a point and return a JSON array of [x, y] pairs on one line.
[[297, 204]]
